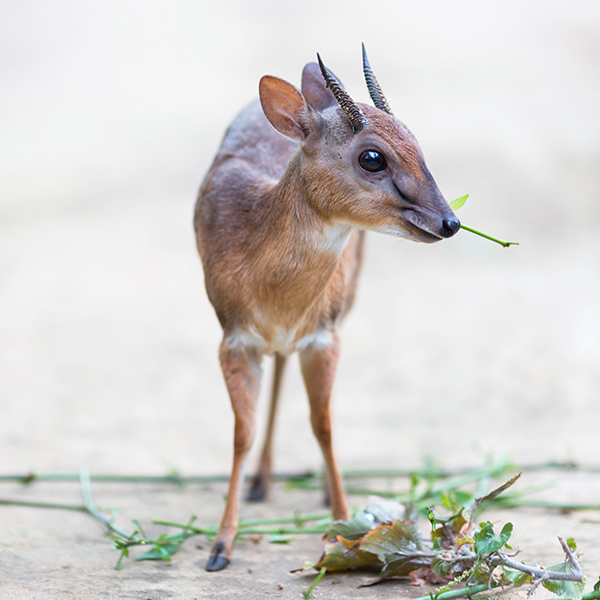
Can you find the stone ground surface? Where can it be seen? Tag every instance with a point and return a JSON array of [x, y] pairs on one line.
[[111, 114]]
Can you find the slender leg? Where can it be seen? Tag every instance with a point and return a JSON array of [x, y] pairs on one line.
[[318, 369], [262, 480], [241, 369]]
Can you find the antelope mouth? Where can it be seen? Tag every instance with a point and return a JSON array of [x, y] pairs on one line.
[[422, 235]]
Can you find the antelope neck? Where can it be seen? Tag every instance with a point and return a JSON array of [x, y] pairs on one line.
[[297, 258], [301, 220]]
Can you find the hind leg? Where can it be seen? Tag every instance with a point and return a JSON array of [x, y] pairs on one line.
[[261, 481]]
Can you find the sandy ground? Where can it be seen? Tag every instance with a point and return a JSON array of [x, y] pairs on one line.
[[111, 115]]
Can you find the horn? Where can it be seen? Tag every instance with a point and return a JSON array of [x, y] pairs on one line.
[[355, 114], [374, 90]]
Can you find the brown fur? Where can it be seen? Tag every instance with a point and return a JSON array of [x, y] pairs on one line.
[[279, 223]]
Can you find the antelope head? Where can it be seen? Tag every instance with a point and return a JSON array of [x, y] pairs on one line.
[[361, 166]]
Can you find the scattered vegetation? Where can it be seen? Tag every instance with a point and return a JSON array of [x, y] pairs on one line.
[[459, 551], [463, 553]]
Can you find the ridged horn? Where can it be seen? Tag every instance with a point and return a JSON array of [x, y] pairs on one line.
[[374, 90], [355, 114]]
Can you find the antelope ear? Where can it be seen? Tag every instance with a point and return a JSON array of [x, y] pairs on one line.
[[285, 107], [314, 89]]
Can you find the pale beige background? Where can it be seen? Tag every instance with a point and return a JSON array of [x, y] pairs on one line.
[[111, 113]]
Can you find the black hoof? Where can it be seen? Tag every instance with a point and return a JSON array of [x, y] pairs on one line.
[[258, 490], [217, 562]]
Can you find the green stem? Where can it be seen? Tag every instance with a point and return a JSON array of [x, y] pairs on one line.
[[176, 479], [244, 529], [92, 509], [515, 503], [467, 591], [307, 593], [355, 474], [300, 518], [281, 531], [489, 237], [76, 507], [450, 484], [482, 587], [211, 530]]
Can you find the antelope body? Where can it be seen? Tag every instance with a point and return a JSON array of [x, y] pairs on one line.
[[280, 222]]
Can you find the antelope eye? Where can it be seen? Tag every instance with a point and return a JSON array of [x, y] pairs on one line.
[[372, 161]]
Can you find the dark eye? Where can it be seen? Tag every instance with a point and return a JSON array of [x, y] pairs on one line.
[[372, 161]]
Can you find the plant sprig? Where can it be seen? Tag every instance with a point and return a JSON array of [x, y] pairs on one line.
[[457, 203]]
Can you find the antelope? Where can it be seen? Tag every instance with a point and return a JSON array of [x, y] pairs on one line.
[[280, 222]]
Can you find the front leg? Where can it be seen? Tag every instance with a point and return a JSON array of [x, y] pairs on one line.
[[241, 370], [319, 364]]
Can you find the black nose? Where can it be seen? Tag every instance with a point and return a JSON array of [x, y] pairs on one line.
[[450, 227]]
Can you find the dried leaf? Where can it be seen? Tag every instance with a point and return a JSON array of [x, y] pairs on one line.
[[415, 579], [354, 529], [341, 554], [388, 541], [403, 565], [398, 546], [495, 493]]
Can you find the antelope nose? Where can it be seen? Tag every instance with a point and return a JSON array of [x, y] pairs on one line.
[[450, 227]]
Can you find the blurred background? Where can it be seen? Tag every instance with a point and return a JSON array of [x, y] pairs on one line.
[[111, 114]]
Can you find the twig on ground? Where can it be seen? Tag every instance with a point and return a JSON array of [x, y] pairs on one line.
[[540, 574]]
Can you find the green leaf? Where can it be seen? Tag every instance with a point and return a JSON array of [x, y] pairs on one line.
[[564, 589], [433, 518], [453, 500], [517, 578], [456, 204], [442, 568], [277, 538], [162, 552], [486, 541], [124, 554]]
